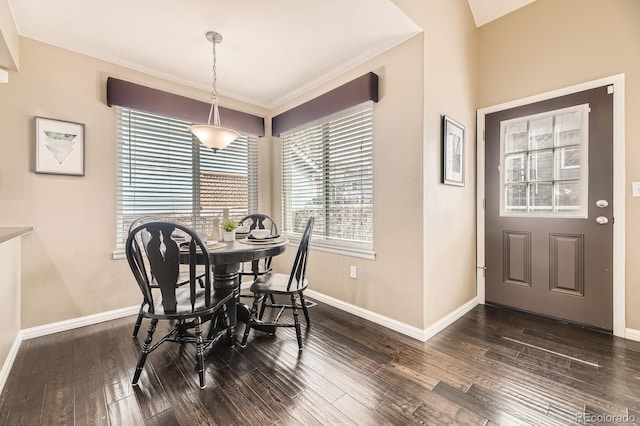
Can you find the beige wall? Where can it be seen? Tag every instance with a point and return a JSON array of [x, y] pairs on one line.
[[392, 284], [425, 268], [450, 88], [10, 300], [552, 44], [67, 269]]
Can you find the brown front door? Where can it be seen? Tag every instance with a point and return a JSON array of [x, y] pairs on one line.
[[549, 207]]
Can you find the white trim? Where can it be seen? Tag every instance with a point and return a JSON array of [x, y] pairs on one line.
[[360, 250], [449, 319], [619, 274], [56, 327], [408, 330], [345, 251], [632, 334], [8, 362]]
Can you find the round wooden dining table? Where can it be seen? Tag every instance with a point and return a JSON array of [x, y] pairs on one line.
[[226, 261]]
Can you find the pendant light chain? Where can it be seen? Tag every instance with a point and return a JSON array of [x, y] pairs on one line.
[[214, 94], [213, 135]]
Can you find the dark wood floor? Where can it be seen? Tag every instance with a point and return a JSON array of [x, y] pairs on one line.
[[493, 366]]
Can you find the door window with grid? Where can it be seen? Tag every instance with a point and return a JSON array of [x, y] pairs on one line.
[[164, 171], [543, 165], [327, 172]]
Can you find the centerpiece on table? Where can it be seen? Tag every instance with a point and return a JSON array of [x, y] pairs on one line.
[[229, 230]]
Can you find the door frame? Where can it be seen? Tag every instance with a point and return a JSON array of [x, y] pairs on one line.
[[619, 183]]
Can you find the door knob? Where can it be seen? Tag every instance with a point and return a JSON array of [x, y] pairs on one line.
[[601, 220], [602, 203]]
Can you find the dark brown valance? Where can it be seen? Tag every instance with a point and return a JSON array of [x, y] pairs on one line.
[[355, 92], [131, 95]]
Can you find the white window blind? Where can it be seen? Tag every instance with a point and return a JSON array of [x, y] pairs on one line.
[[327, 172], [164, 171]]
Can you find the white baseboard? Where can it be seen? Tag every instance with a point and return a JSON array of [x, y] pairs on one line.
[[449, 319], [8, 362], [408, 330], [56, 327], [632, 334]]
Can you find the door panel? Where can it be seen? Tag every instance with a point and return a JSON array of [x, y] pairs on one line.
[[537, 260]]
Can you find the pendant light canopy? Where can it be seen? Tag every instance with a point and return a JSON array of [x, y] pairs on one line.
[[213, 135]]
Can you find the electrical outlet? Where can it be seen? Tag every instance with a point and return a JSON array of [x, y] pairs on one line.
[[353, 272], [635, 189]]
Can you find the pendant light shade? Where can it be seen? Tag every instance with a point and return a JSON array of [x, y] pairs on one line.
[[214, 135]]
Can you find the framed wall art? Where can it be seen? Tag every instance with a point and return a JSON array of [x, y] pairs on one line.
[[452, 152], [59, 147]]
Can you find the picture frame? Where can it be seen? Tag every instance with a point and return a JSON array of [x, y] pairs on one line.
[[59, 147], [453, 152]]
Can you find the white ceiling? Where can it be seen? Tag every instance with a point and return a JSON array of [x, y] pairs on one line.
[[272, 50], [487, 10]]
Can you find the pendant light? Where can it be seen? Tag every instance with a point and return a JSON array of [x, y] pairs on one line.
[[213, 135]]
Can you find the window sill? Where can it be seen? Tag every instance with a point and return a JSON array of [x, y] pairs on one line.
[[351, 251], [118, 254]]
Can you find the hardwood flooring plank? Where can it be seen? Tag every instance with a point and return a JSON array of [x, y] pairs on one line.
[[185, 402], [291, 384], [531, 413], [321, 410], [23, 393], [254, 409], [393, 414], [589, 393], [503, 373], [304, 373], [150, 394], [58, 405], [357, 412], [281, 404], [113, 368], [436, 409], [91, 409], [166, 418], [563, 414], [361, 386], [23, 415], [125, 411], [474, 405]]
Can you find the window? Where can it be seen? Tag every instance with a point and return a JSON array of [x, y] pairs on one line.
[[164, 171], [544, 164], [327, 172]]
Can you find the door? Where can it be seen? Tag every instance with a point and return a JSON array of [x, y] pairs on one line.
[[548, 207]]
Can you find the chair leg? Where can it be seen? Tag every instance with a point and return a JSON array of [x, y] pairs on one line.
[[296, 321], [145, 351], [136, 327], [252, 317], [263, 306], [199, 351], [303, 303], [231, 338]]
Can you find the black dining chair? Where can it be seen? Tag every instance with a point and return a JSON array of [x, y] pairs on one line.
[[141, 221], [145, 239], [258, 221], [154, 250], [292, 285]]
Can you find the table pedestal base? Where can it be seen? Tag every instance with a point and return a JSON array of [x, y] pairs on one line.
[[225, 280]]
